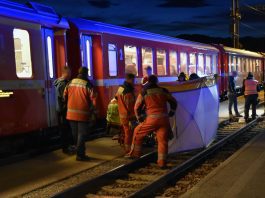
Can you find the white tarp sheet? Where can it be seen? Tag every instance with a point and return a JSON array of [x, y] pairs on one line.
[[196, 120]]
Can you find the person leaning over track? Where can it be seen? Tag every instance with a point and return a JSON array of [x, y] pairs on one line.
[[155, 99], [65, 129], [126, 100], [80, 98], [250, 90]]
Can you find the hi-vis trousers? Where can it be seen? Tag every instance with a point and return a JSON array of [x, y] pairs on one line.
[[159, 125]]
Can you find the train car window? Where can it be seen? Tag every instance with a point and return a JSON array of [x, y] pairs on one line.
[[250, 65], [50, 57], [254, 65], [239, 64], [88, 56], [161, 62], [22, 53], [244, 65], [258, 64], [173, 63], [208, 65], [247, 64], [192, 65], [200, 69], [183, 62], [131, 60], [112, 51], [233, 64], [214, 64], [147, 58]]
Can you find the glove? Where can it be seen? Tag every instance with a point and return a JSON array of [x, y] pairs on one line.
[[171, 113]]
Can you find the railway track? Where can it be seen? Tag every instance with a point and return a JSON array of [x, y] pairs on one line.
[[142, 177]]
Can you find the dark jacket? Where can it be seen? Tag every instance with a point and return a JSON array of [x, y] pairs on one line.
[[231, 85], [60, 85]]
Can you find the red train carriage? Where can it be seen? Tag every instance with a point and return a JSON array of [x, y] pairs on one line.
[[32, 46], [242, 61], [110, 51]]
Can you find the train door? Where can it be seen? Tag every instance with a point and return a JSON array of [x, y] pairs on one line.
[[86, 54], [50, 76]]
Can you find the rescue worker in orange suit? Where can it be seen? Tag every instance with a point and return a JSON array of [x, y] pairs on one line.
[[126, 101], [80, 98], [155, 100], [250, 89]]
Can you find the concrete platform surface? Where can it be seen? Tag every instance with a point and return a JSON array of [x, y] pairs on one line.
[[223, 108], [240, 176], [30, 174]]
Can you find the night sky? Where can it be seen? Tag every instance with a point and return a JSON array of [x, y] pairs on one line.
[[168, 17]]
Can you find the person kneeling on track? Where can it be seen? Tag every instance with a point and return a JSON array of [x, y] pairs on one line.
[[155, 99], [61, 109], [126, 100], [80, 98], [250, 90]]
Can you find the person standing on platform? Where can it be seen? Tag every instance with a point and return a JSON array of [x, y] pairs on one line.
[[126, 100], [155, 99], [250, 89], [65, 129], [148, 72], [80, 98], [232, 95]]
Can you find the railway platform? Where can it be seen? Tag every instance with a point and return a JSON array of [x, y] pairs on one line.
[[242, 175], [223, 108], [24, 176]]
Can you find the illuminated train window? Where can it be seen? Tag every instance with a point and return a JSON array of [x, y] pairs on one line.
[[147, 59], [131, 60], [208, 65], [173, 63], [22, 53], [192, 65], [214, 64], [112, 60], [161, 62], [239, 64], [200, 70], [183, 62], [50, 56]]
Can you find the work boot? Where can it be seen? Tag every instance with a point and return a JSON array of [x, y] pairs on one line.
[[238, 115], [162, 164], [84, 158]]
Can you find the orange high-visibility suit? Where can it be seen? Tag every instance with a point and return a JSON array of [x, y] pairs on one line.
[[126, 101], [155, 100]]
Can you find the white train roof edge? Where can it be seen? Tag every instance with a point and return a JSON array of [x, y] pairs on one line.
[[242, 52], [88, 25], [33, 12]]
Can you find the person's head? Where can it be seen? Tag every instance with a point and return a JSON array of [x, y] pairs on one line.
[[66, 73], [250, 75], [153, 79], [193, 76], [83, 72], [129, 78], [148, 70], [234, 73], [182, 77]]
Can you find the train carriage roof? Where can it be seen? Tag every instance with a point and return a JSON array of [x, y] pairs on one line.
[[99, 27], [242, 52], [32, 12]]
